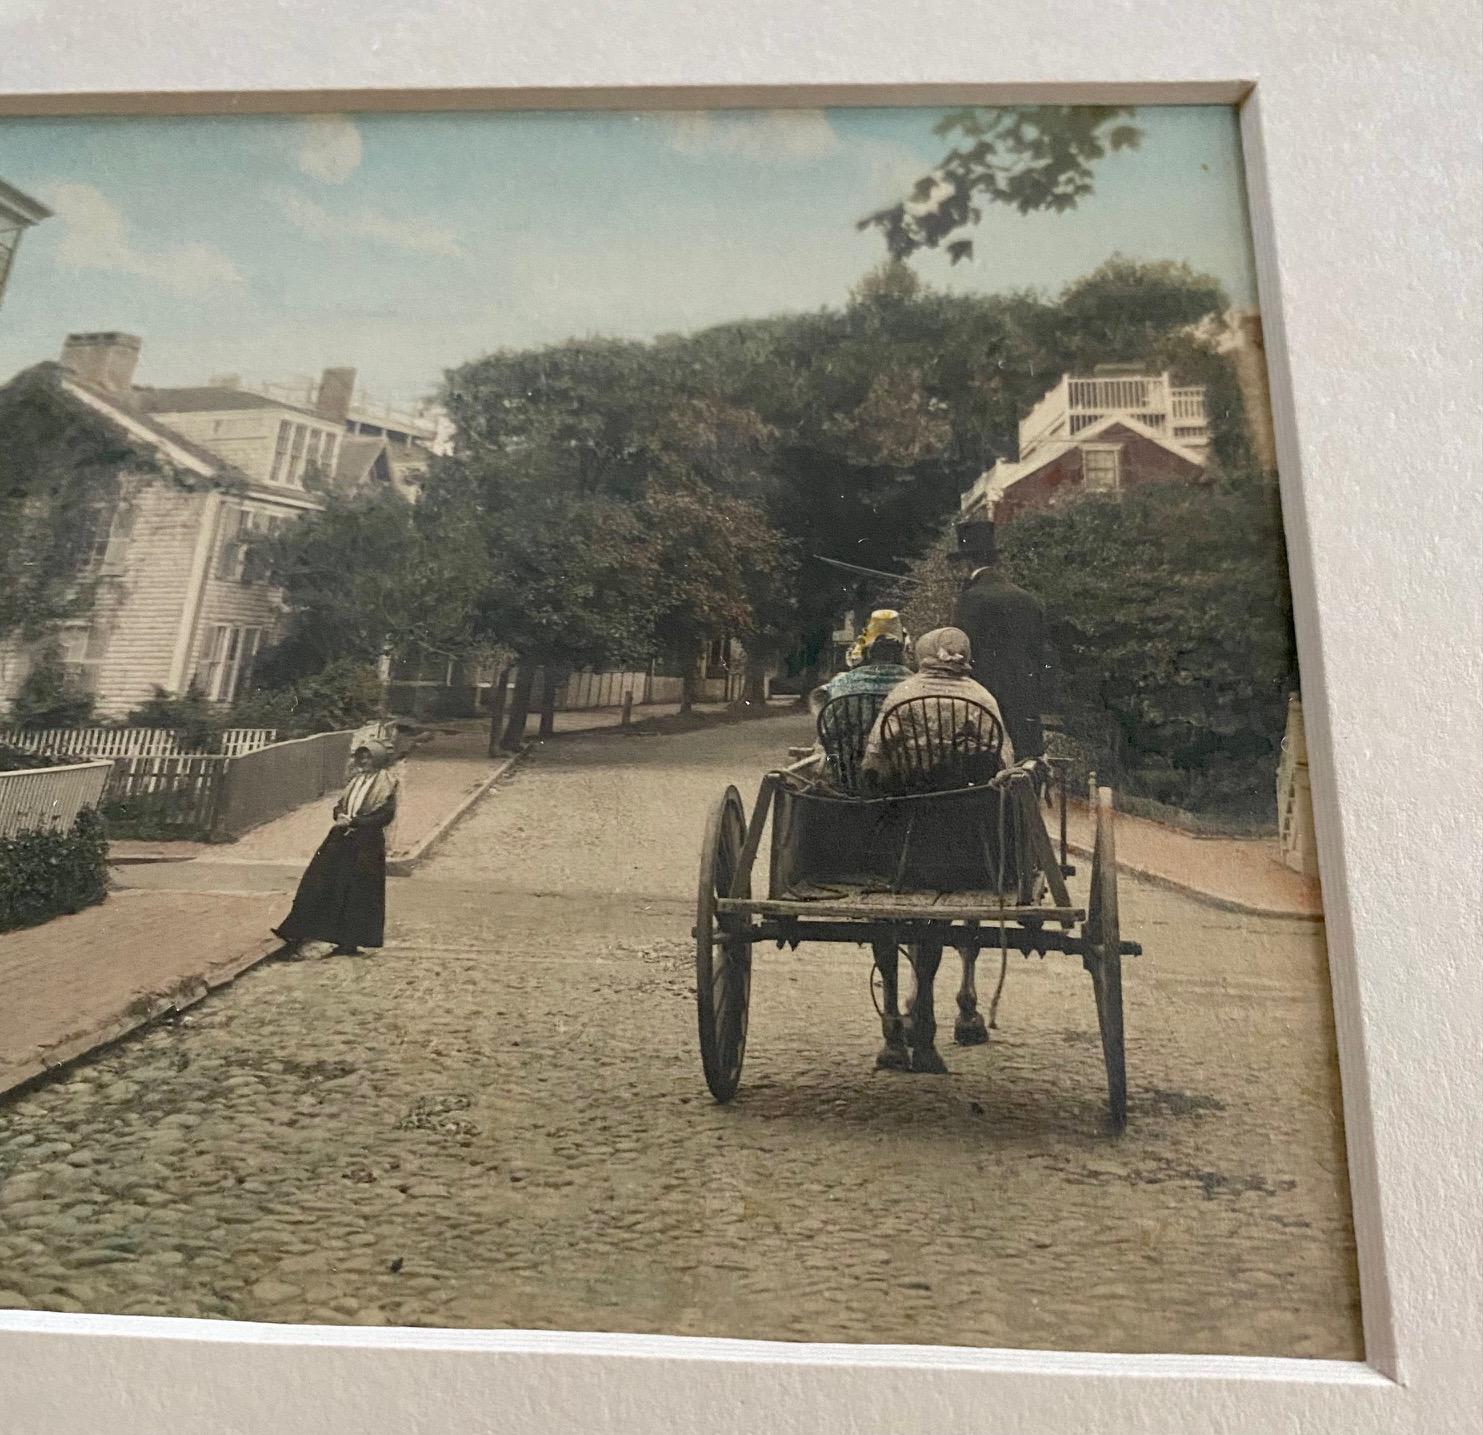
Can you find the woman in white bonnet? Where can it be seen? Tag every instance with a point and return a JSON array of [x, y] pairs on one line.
[[342, 895], [944, 669]]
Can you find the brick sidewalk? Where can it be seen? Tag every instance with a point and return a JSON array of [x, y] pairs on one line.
[[1242, 874], [76, 983]]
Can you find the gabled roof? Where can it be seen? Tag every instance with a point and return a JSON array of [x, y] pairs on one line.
[[212, 398], [357, 458], [1003, 476], [134, 421]]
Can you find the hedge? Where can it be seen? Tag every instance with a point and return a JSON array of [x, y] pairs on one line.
[[1172, 619], [46, 874], [19, 759]]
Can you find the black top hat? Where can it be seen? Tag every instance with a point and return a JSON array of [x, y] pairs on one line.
[[975, 541]]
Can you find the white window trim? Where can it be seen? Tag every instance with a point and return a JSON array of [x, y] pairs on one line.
[[231, 650], [1115, 450]]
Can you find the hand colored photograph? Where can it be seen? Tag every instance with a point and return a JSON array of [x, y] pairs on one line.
[[674, 722]]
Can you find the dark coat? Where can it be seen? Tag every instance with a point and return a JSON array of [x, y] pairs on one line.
[[1012, 654], [342, 895]]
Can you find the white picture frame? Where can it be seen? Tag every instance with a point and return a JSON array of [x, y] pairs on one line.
[[1365, 198]]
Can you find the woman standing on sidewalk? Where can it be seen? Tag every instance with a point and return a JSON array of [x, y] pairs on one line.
[[342, 895]]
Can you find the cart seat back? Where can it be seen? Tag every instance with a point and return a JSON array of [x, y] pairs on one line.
[[939, 744], [844, 724]]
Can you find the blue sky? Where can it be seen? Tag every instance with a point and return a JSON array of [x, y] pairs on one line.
[[271, 247]]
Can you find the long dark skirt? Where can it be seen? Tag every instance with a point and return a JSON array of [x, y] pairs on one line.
[[342, 894]]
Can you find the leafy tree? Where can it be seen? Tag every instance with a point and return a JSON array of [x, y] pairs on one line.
[[1031, 157], [587, 469], [564, 580], [364, 580], [719, 567]]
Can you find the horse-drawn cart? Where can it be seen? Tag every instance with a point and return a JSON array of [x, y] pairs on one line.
[[973, 869]]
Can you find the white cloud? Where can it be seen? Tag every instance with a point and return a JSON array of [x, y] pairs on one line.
[[329, 148], [784, 136], [95, 235], [416, 236]]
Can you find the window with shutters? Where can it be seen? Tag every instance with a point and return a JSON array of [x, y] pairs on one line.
[[230, 654], [244, 544], [84, 646], [295, 468], [110, 543]]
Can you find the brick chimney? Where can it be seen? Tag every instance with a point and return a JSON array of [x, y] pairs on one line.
[[336, 390], [106, 360]]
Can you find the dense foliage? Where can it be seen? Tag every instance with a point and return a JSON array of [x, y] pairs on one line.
[[46, 874], [59, 486], [363, 579], [48, 697], [18, 759], [845, 434], [342, 694], [1172, 618]]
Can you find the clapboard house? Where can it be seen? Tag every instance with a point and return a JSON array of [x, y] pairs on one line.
[[174, 564]]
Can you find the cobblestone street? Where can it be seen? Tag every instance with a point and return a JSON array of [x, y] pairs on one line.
[[500, 1119]]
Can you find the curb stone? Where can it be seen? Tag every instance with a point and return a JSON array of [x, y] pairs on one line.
[[406, 863], [140, 1012]]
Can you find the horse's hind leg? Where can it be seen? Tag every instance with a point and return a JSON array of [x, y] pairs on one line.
[[969, 1029], [926, 957], [894, 1055]]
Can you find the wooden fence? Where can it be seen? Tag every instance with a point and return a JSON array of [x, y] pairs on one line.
[[130, 741], [584, 691], [164, 795], [49, 797], [258, 786], [215, 798]]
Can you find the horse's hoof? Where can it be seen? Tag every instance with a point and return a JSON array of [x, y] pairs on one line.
[[893, 1058], [926, 1061], [971, 1030]]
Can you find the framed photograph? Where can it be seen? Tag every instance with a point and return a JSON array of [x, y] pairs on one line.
[[467, 476]]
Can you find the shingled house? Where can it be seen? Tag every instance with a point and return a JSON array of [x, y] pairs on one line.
[[179, 596]]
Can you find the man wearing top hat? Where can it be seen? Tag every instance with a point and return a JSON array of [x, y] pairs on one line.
[[1009, 635]]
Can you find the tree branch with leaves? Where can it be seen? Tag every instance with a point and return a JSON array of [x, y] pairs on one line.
[[1029, 157]]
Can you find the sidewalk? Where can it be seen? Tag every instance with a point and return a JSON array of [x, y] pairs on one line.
[[79, 982], [1238, 874]]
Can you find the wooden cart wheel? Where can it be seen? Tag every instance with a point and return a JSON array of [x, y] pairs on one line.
[[1103, 958], [723, 953]]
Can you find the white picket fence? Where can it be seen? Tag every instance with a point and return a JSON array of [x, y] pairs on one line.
[[50, 797], [130, 741]]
